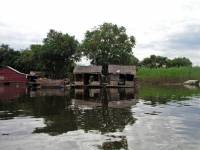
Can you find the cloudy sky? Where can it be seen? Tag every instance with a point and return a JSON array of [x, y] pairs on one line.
[[163, 27]]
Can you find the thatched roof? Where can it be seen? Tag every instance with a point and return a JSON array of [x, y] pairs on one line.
[[118, 69], [87, 69]]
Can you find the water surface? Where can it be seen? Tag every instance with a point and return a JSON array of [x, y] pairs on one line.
[[157, 117]]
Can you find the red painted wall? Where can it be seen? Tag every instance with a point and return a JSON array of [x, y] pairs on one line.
[[11, 76]]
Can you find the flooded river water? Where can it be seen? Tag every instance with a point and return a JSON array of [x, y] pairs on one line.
[[156, 118]]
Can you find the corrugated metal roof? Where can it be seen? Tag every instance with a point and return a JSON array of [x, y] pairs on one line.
[[87, 69], [118, 69]]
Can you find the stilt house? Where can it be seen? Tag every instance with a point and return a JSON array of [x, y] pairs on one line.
[[87, 75], [121, 76]]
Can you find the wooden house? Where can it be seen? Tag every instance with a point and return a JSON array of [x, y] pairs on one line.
[[121, 76], [87, 75], [9, 75]]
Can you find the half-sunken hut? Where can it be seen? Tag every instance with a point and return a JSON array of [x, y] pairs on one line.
[[121, 76], [87, 75]]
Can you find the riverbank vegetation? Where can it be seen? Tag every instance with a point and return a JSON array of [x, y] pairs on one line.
[[168, 75]]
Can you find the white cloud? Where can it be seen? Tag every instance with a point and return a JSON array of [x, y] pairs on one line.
[[24, 22]]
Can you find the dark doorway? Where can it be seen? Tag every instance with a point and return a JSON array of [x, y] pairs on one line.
[[86, 79], [122, 79], [129, 77]]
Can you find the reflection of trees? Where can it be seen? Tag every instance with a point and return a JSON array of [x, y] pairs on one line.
[[115, 145], [59, 123], [60, 118], [103, 120]]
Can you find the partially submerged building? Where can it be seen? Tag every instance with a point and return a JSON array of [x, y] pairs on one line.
[[118, 76], [9, 75], [87, 75], [34, 75], [121, 76]]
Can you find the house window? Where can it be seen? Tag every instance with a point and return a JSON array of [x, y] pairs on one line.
[[129, 77]]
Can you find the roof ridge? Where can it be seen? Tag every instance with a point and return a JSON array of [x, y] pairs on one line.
[[15, 70]]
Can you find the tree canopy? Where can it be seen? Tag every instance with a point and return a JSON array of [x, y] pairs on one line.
[[180, 62], [55, 56], [8, 56], [158, 61], [59, 51], [108, 44], [155, 61]]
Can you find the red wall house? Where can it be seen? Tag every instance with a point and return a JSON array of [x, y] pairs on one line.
[[10, 75]]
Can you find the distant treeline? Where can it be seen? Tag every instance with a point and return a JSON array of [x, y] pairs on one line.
[[164, 62], [59, 52]]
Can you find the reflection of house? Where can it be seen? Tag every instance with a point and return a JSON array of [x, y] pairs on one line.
[[87, 94], [121, 75], [116, 94], [9, 75], [111, 97], [110, 94], [87, 75], [8, 93], [48, 92]]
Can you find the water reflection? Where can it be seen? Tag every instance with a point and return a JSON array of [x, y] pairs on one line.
[[115, 145], [164, 94], [8, 93], [101, 118], [109, 97], [88, 109], [48, 92]]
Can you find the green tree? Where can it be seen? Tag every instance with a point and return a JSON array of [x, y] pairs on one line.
[[30, 59], [155, 61], [25, 63], [36, 50], [58, 53], [8, 56], [130, 60], [180, 62], [108, 44]]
